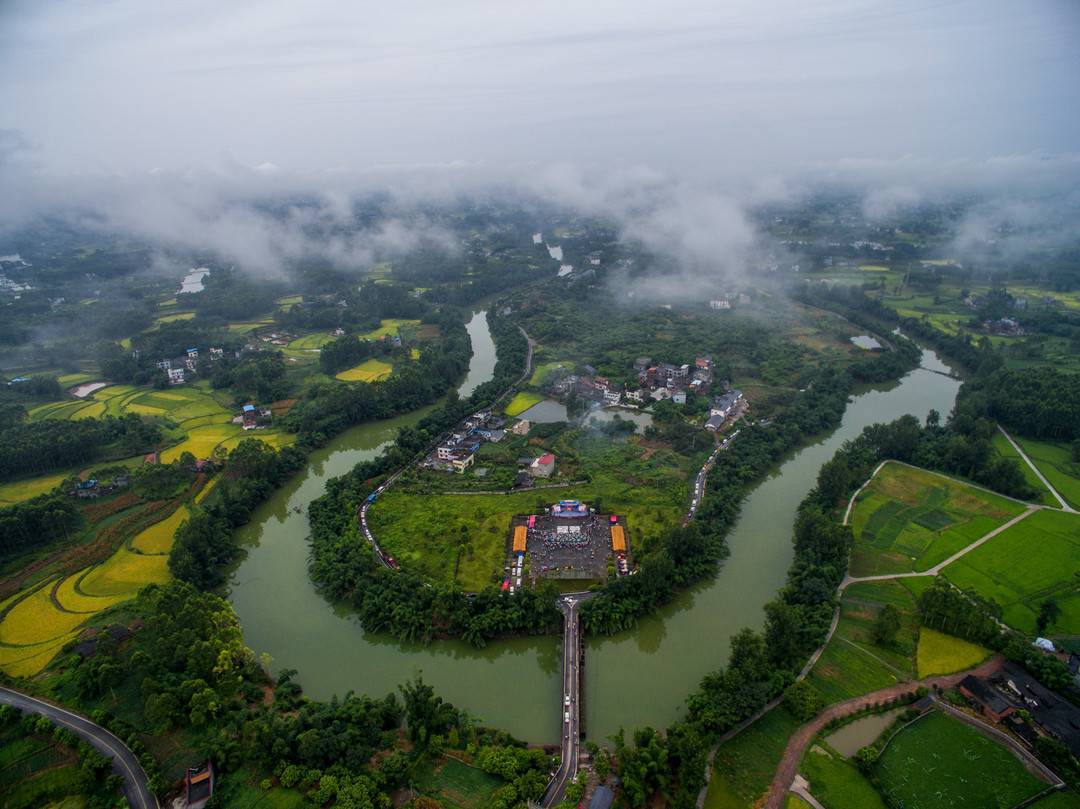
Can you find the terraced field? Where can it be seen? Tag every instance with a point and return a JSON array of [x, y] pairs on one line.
[[909, 520], [389, 328]]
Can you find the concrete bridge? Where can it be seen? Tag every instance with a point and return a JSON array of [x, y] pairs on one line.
[[571, 707]]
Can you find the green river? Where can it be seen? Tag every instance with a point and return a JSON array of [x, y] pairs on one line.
[[641, 677]]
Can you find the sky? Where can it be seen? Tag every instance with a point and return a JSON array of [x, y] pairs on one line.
[[694, 89]]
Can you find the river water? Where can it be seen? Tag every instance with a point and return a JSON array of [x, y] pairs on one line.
[[633, 679], [482, 363]]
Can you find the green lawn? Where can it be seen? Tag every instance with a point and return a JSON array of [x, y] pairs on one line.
[[745, 765], [457, 785], [836, 783], [942, 763], [1005, 450], [1021, 567], [910, 519], [852, 664], [1056, 463]]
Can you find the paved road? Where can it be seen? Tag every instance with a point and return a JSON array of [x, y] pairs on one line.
[[699, 482], [125, 764], [571, 709], [1019, 450]]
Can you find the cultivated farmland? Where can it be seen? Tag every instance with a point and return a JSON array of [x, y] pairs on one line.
[[1056, 463], [1025, 565], [942, 763], [943, 654], [909, 520], [370, 370], [521, 402]]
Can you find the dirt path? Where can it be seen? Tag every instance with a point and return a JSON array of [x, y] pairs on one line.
[[801, 738]]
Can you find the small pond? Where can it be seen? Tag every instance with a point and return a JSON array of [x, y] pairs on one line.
[[867, 342], [853, 737], [545, 412], [608, 414]]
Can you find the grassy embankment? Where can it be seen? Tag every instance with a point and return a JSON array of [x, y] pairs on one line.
[[910, 520]]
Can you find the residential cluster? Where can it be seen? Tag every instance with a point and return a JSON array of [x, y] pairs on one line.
[[1012, 696], [180, 368], [94, 488], [251, 417], [457, 452]]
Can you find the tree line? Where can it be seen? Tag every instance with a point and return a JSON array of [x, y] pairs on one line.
[[36, 447], [192, 673]]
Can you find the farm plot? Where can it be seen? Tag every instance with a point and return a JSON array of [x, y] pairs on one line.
[[390, 328], [124, 574], [18, 490], [745, 765], [1003, 448], [35, 620], [836, 783], [909, 520], [158, 538], [943, 654], [310, 342], [521, 402], [852, 663], [942, 763], [457, 785], [1056, 463], [1023, 566], [370, 370]]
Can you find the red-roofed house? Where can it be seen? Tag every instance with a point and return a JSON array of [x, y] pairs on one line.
[[543, 467]]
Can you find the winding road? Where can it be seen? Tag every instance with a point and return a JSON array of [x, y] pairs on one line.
[[125, 764]]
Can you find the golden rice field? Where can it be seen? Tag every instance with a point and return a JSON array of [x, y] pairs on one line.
[[943, 654], [26, 661], [158, 538], [521, 402], [124, 573], [174, 317], [389, 328], [36, 619], [371, 370], [74, 601]]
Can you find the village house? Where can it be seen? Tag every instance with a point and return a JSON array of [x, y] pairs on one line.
[[1012, 690], [543, 467], [521, 428], [176, 376], [720, 303], [714, 423]]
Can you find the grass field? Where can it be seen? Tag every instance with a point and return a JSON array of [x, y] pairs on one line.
[[745, 765], [544, 370], [795, 802], [836, 783], [521, 402], [939, 653], [174, 317], [457, 785], [1056, 463], [910, 519], [852, 663], [1005, 450], [389, 328], [1021, 567], [942, 763], [371, 370]]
